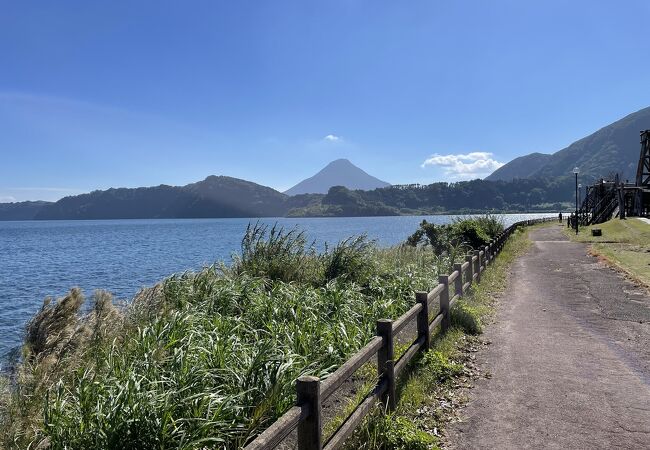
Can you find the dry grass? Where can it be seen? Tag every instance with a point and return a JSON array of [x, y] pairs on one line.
[[624, 244], [59, 341]]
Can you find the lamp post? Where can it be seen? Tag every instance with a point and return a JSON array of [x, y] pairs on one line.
[[575, 218]]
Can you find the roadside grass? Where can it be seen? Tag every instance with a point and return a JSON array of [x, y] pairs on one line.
[[206, 359], [429, 394], [625, 244]]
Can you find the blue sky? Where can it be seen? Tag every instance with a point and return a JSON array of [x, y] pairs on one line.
[[106, 94]]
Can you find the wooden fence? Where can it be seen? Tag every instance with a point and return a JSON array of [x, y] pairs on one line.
[[311, 392]]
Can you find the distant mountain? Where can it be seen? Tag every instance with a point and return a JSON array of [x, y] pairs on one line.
[[614, 148], [337, 173], [213, 197], [21, 210]]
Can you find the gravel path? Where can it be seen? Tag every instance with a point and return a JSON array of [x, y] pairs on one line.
[[569, 360]]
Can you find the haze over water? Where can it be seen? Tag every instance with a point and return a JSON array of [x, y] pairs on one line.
[[47, 258]]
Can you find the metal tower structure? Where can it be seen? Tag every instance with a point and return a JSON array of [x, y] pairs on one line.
[[610, 198], [643, 171], [642, 174]]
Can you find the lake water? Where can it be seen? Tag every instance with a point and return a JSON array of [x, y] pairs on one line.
[[47, 258]]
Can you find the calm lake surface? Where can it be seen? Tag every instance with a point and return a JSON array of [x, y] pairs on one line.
[[47, 258]]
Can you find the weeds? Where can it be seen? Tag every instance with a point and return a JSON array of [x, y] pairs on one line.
[[392, 432], [439, 367]]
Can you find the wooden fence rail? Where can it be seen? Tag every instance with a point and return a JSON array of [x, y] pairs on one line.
[[311, 392]]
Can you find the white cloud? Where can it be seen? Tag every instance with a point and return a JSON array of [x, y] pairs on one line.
[[332, 138], [470, 165], [7, 199]]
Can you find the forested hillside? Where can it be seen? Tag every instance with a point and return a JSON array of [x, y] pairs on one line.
[[231, 197], [466, 196], [212, 197]]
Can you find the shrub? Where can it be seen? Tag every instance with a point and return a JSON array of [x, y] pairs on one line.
[[435, 236], [469, 233], [474, 233], [490, 224]]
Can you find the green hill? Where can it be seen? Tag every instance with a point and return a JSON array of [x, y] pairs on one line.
[[612, 149], [213, 197], [21, 210]]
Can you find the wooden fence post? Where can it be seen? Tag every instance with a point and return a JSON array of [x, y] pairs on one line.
[[486, 255], [386, 362], [444, 303], [310, 430], [458, 282], [423, 318], [477, 267], [470, 269]]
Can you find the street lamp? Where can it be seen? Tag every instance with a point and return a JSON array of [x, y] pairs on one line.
[[575, 218]]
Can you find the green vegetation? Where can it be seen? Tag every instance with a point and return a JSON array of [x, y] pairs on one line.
[[463, 197], [624, 243], [427, 396], [205, 359], [463, 234]]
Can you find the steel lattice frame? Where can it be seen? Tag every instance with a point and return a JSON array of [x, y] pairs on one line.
[[643, 171]]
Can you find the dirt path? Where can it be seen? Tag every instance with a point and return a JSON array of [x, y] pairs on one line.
[[569, 360]]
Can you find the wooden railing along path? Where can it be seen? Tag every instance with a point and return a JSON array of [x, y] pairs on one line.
[[311, 392]]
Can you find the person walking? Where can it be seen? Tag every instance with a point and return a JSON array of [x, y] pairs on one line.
[[560, 217]]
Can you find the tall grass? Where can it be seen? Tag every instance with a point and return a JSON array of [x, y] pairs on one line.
[[276, 254], [205, 359]]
